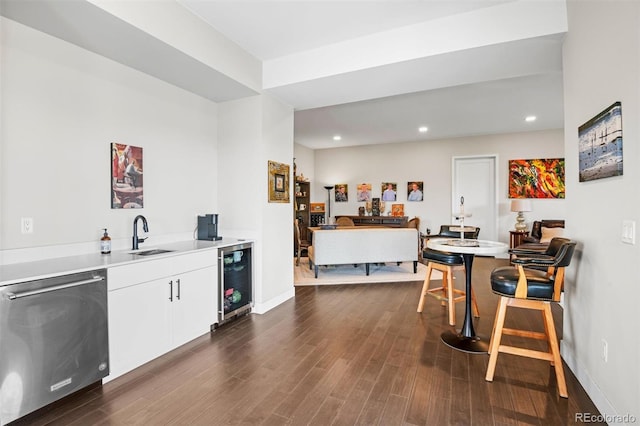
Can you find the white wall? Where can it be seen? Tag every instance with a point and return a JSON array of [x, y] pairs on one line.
[[240, 132], [601, 66], [62, 106], [430, 162], [305, 161], [253, 131]]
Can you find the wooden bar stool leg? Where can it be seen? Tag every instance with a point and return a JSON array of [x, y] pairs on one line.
[[555, 350], [474, 302], [445, 286], [425, 288], [493, 330], [495, 338], [450, 296], [546, 332]]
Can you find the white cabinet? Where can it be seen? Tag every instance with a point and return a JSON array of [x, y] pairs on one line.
[[158, 305], [138, 324], [192, 308]]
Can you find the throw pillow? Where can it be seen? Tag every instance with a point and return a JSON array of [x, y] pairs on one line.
[[549, 233]]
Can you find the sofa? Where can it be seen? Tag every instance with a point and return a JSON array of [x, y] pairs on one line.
[[363, 245]]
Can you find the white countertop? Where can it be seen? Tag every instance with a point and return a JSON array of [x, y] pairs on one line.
[[28, 271], [483, 247]]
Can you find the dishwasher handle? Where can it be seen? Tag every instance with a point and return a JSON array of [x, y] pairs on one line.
[[13, 296]]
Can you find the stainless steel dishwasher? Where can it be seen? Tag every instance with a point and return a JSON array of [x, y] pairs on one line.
[[53, 340]]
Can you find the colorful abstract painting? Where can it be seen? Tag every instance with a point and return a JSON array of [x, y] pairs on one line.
[[542, 178]]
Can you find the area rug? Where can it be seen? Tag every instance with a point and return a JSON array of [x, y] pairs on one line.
[[347, 274]]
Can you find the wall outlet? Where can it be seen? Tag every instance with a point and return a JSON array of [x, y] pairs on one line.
[[27, 225], [605, 350], [629, 231]]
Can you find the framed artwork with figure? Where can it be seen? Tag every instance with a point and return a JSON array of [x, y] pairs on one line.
[[414, 191], [389, 191], [341, 193], [126, 177], [364, 192], [278, 182]]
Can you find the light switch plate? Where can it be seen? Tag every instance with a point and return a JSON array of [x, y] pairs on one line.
[[629, 231]]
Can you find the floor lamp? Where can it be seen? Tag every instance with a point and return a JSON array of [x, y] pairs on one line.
[[328, 188]]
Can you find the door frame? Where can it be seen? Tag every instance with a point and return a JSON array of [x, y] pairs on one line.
[[454, 205]]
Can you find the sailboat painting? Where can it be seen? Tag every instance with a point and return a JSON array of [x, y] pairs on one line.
[[600, 145]]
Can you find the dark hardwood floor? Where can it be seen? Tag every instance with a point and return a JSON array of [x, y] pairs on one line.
[[335, 355]]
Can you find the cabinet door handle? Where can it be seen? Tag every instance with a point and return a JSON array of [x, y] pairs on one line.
[[171, 291], [178, 295]]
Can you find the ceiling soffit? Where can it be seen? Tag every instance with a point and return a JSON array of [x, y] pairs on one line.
[[92, 28]]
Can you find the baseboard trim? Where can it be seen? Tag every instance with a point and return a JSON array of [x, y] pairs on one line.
[[261, 308], [591, 388]]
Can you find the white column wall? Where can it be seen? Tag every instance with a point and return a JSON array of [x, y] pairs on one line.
[[253, 131], [601, 66]]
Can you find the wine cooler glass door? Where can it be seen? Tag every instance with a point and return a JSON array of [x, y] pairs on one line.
[[236, 286]]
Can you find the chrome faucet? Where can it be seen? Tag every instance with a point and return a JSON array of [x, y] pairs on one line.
[[137, 240]]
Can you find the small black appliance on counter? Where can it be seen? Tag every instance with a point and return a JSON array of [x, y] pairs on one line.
[[208, 227]]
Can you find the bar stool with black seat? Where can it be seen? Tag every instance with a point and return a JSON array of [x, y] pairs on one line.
[[522, 287], [447, 263]]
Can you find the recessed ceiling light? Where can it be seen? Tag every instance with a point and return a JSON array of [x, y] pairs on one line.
[[337, 138], [530, 118], [423, 129]]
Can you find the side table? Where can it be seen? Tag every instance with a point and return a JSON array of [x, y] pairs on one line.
[[517, 238]]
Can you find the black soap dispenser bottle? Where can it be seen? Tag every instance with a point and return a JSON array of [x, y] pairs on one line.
[[105, 243]]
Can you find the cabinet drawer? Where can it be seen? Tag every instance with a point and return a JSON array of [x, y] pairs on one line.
[[144, 271], [194, 260], [149, 270]]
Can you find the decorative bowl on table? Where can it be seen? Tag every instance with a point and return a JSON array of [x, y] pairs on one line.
[[459, 242]]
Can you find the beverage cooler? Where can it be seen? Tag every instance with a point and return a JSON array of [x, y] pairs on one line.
[[235, 281]]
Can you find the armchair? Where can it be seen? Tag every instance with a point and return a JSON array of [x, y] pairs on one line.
[[537, 232], [542, 232]]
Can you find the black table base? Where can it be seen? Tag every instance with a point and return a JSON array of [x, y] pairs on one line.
[[472, 345], [466, 340]]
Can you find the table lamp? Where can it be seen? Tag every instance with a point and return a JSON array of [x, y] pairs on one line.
[[520, 206]]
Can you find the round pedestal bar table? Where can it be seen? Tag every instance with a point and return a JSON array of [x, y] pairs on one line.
[[467, 340]]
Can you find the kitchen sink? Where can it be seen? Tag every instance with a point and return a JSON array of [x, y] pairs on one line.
[[150, 252]]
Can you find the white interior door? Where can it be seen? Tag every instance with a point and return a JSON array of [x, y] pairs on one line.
[[474, 178]]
